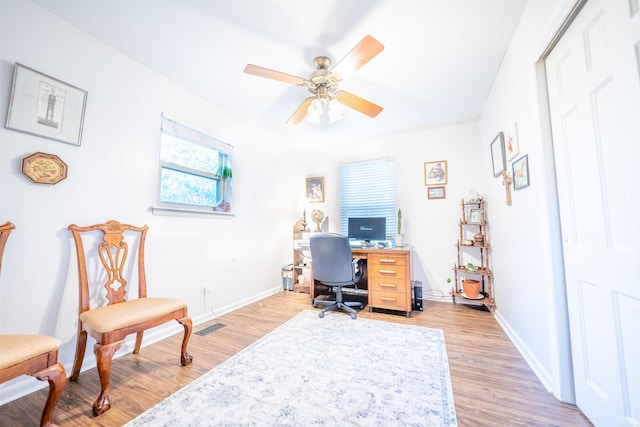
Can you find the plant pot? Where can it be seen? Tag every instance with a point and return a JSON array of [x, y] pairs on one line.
[[399, 240], [471, 288]]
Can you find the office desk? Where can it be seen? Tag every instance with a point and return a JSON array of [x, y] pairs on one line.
[[386, 282]]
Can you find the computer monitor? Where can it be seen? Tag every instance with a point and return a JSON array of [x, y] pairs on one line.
[[368, 229]]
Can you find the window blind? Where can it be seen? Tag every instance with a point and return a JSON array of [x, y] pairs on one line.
[[368, 189]]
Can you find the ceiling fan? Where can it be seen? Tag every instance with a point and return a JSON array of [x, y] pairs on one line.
[[323, 82]]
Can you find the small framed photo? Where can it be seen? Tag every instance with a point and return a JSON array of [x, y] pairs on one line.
[[436, 192], [497, 155], [315, 189], [521, 172], [435, 173], [475, 216], [511, 144], [43, 106]]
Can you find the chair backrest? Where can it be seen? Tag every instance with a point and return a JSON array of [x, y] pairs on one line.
[[112, 252], [331, 258], [5, 230]]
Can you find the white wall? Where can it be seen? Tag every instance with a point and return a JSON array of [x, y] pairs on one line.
[[527, 257], [113, 175]]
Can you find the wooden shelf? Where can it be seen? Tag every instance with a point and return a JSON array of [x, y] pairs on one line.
[[486, 301], [475, 210]]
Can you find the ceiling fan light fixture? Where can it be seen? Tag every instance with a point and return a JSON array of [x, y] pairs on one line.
[[326, 100], [335, 109]]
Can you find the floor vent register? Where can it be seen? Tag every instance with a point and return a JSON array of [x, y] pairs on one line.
[[210, 329]]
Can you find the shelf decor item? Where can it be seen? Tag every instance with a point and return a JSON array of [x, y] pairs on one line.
[[43, 168], [471, 288], [43, 106]]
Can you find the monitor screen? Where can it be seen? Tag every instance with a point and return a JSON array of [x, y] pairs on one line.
[[367, 228]]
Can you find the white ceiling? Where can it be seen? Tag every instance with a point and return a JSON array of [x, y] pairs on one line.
[[439, 61]]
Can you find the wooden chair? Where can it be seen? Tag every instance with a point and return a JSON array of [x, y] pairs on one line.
[[35, 355], [109, 324]]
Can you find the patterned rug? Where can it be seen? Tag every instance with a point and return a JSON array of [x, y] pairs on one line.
[[328, 372]]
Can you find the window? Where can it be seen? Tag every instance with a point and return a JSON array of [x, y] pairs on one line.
[[368, 189], [195, 169]]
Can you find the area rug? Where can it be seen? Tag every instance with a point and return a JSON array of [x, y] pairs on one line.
[[327, 372]]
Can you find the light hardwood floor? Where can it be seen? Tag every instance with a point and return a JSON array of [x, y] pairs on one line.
[[492, 384]]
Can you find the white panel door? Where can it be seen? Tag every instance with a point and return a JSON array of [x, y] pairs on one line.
[[594, 95]]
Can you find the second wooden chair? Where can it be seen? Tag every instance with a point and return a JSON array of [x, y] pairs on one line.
[[109, 321]]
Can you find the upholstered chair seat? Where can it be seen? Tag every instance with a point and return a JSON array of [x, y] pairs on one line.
[[18, 348], [117, 316]]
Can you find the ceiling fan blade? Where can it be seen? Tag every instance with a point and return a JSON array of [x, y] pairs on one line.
[[358, 104], [301, 112], [275, 75], [362, 53]]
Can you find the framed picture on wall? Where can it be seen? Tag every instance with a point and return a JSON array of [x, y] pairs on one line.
[[315, 189], [511, 143], [43, 106], [521, 172], [436, 192], [497, 155], [435, 173]]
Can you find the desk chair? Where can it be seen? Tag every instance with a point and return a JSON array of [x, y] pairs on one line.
[[334, 266], [34, 355]]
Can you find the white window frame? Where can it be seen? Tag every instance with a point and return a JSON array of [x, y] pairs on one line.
[[187, 134]]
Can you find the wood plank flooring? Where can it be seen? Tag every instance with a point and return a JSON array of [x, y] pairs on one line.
[[492, 384]]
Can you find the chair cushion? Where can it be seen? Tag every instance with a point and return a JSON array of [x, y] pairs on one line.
[[117, 316], [18, 348]]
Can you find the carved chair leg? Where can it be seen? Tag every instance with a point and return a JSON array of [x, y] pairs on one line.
[[57, 378], [185, 358], [81, 345], [136, 348], [104, 355]]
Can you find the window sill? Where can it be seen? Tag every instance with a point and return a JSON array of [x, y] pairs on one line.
[[173, 211]]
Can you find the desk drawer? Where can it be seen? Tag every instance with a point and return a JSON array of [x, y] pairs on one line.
[[387, 284], [389, 300], [386, 271], [387, 259]]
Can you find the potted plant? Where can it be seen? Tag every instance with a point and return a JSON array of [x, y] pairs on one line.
[[225, 174], [399, 237], [471, 287]]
